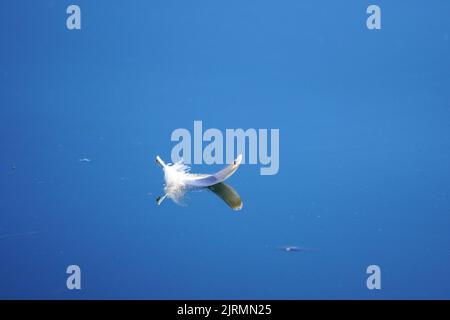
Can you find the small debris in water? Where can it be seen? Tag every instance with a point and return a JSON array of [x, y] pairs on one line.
[[295, 249]]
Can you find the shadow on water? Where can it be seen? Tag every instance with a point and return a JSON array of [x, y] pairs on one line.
[[228, 195], [221, 190]]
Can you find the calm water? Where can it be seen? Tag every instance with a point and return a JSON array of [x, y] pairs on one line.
[[364, 119]]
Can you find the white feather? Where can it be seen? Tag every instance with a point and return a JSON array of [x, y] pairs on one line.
[[178, 179]]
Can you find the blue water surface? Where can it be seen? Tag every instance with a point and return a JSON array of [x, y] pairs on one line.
[[364, 120]]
